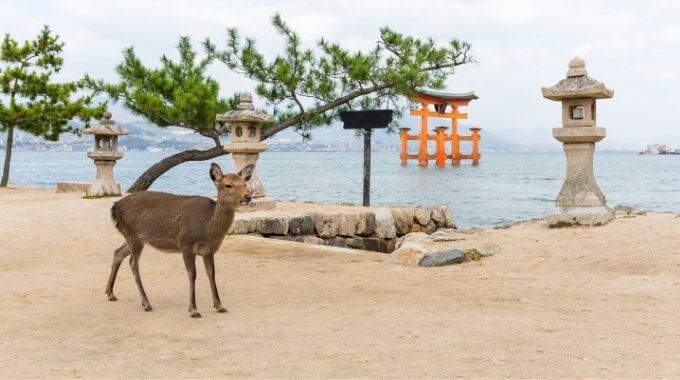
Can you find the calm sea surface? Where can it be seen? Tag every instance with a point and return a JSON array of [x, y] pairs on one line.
[[506, 187]]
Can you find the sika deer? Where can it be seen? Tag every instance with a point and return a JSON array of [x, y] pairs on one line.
[[191, 225]]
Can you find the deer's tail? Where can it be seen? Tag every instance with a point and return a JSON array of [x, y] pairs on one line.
[[115, 215]]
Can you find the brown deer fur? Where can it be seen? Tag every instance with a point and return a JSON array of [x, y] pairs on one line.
[[190, 225]]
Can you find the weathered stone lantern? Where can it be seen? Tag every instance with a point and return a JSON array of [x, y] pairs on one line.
[[580, 201], [105, 155], [245, 147]]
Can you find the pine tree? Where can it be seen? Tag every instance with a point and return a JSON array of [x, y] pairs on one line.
[[307, 89], [30, 100], [304, 88], [174, 94]]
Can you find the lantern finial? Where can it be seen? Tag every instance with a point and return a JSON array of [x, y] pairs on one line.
[[577, 68], [246, 101]]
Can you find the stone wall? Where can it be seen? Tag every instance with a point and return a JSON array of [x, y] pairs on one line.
[[372, 229]]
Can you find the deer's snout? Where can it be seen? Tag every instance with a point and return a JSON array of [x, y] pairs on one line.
[[246, 199]]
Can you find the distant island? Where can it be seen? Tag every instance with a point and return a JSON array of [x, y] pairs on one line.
[[146, 137]]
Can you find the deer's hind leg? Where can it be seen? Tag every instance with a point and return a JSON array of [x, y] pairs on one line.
[[118, 256], [136, 250]]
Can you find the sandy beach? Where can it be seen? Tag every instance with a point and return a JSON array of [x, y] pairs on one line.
[[576, 302]]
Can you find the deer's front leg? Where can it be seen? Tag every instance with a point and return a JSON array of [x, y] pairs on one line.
[[209, 261], [190, 263]]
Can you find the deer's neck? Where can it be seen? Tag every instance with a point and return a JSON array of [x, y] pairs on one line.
[[221, 219]]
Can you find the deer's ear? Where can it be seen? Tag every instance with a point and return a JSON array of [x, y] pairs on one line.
[[215, 172], [247, 173]]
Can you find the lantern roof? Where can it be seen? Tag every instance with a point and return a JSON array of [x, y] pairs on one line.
[[577, 84], [446, 95], [245, 111], [106, 127]]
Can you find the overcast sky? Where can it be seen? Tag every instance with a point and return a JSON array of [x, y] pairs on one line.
[[631, 46]]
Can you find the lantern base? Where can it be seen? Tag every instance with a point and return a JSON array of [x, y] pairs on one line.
[[104, 185], [103, 189], [258, 204], [579, 216]]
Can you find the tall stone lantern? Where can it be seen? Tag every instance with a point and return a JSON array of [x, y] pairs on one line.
[[580, 202], [105, 155], [245, 147]]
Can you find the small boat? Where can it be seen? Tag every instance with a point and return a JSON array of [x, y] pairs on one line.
[[655, 149]]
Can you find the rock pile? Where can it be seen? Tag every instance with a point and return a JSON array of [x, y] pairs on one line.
[[421, 249], [374, 229]]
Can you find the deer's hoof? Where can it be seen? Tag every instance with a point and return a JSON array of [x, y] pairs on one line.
[[148, 308], [195, 315], [221, 309], [112, 298]]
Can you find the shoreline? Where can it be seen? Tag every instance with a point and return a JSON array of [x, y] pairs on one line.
[[330, 205]]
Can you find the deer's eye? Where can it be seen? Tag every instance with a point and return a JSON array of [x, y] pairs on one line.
[[227, 186]]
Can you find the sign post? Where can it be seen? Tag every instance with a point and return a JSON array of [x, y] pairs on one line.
[[366, 120]]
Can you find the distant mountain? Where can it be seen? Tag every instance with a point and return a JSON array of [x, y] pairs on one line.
[[145, 135]]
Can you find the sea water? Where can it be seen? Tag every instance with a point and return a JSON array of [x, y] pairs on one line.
[[505, 187]]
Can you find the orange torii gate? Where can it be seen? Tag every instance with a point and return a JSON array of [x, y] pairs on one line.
[[441, 102]]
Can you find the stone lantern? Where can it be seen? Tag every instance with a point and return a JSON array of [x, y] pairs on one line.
[[105, 155], [580, 201], [245, 147]]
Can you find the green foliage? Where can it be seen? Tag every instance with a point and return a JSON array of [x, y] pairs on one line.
[[178, 93], [307, 89], [29, 100], [473, 255]]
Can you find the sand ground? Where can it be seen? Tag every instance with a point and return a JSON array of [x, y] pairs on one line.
[[600, 302]]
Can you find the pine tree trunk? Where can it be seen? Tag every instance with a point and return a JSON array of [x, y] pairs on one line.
[[8, 157], [158, 169]]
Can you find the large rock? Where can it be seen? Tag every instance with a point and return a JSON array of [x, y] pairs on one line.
[[366, 224], [327, 225], [428, 229], [271, 226], [447, 234], [355, 242], [438, 216], [403, 219], [416, 237], [375, 244], [390, 245], [337, 241], [441, 258], [384, 224], [448, 217], [242, 226], [622, 210], [348, 224], [423, 215], [409, 254], [301, 225]]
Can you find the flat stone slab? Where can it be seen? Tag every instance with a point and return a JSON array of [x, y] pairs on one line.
[[442, 258], [447, 234], [72, 187]]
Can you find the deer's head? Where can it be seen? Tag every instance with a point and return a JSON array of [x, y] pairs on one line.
[[231, 188]]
